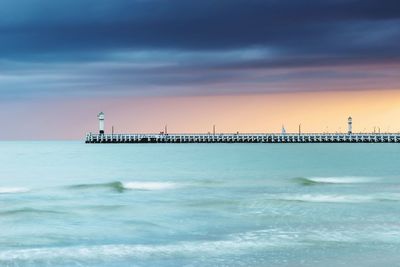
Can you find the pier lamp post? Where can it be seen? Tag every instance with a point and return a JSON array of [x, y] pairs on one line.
[[101, 122]]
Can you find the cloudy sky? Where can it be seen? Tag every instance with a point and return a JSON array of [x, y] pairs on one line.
[[244, 65]]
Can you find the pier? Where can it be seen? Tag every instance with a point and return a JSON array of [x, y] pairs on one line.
[[245, 138], [164, 137]]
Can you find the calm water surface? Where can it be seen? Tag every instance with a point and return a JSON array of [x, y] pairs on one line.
[[71, 204]]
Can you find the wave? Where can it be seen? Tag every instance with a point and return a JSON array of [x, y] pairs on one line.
[[335, 198], [123, 186], [115, 186], [13, 190], [236, 244], [324, 198], [149, 185], [384, 234], [334, 180], [28, 211]]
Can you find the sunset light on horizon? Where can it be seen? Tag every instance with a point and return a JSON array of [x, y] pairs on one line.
[[254, 113]]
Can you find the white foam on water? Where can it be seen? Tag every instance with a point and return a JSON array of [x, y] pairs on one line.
[[325, 198], [149, 185], [336, 198], [236, 244], [13, 190], [368, 234], [343, 180]]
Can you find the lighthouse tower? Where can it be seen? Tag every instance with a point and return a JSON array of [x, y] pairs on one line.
[[101, 122], [349, 125]]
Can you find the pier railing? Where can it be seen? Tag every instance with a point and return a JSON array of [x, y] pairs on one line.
[[245, 138]]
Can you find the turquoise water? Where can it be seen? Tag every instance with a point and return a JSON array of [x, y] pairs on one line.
[[71, 204]]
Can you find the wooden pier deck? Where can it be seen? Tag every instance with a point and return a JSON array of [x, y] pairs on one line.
[[245, 138]]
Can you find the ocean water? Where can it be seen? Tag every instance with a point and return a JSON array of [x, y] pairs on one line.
[[72, 204]]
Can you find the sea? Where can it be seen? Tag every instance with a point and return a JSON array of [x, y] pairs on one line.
[[75, 204]]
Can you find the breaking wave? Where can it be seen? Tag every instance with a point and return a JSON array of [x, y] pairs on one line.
[[334, 180], [149, 185], [13, 190], [235, 244], [336, 198], [123, 186]]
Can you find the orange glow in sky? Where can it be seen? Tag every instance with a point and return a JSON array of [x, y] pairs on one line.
[[316, 112]]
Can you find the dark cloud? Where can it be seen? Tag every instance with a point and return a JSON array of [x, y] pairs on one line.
[[48, 27], [90, 46]]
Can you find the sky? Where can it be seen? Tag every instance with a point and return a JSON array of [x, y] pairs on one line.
[[243, 65]]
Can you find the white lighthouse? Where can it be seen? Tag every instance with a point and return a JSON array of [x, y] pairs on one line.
[[349, 125], [101, 122]]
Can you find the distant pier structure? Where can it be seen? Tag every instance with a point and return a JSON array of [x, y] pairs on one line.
[[213, 137]]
